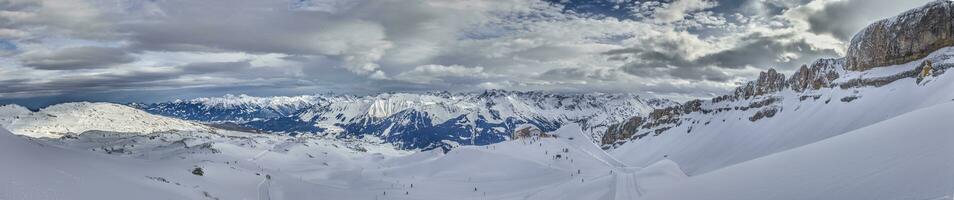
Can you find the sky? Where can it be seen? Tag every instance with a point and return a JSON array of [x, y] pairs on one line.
[[54, 51]]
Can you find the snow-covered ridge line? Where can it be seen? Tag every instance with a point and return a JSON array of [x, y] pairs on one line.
[[230, 100], [74, 118]]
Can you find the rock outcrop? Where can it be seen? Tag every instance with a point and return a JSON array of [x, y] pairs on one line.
[[768, 82], [926, 70], [529, 132], [627, 130], [819, 75], [904, 38]]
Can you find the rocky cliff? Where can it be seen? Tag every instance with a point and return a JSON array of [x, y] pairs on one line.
[[907, 37]]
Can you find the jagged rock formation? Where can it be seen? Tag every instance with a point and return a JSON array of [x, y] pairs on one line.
[[820, 75], [617, 132], [767, 82], [907, 37]]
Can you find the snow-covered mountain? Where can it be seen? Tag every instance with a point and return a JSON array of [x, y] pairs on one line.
[[414, 121], [75, 118], [825, 99]]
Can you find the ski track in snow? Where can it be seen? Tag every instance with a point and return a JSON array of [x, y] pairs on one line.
[[626, 186], [263, 189]]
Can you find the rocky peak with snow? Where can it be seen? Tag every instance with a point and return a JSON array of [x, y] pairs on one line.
[[909, 46], [910, 36]]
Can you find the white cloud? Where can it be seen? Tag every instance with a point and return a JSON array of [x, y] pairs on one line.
[[678, 9], [425, 74]]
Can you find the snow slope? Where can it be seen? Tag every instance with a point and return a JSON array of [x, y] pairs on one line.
[[73, 118], [905, 157], [33, 170]]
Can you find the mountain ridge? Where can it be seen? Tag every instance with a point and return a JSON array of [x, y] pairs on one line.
[[412, 120]]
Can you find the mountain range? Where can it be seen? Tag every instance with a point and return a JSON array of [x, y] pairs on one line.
[[410, 121]]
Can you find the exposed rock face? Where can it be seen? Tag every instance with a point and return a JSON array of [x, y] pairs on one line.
[[768, 82], [819, 75], [617, 132], [529, 132], [907, 37], [926, 68]]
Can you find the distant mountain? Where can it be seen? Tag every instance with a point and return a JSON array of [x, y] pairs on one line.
[[75, 118], [894, 66], [414, 121]]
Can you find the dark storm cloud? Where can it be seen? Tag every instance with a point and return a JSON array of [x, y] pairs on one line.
[[843, 19], [247, 26], [77, 58], [758, 51], [214, 67], [130, 79], [582, 74]]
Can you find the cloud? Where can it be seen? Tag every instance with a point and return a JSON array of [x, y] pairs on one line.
[[678, 9], [454, 74], [843, 19], [34, 19], [72, 58], [582, 74], [215, 67], [681, 48]]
